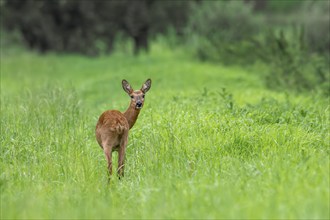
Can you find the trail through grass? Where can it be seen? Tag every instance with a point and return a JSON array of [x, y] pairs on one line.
[[196, 151]]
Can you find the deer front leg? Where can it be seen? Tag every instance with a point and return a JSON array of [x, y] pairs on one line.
[[121, 155]]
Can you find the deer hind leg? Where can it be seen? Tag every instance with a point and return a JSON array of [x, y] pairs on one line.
[[121, 154], [107, 148]]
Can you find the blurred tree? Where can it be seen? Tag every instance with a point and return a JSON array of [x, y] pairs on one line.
[[170, 13], [80, 26], [137, 23], [258, 5]]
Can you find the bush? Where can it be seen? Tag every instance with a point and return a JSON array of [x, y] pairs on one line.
[[221, 30], [291, 66]]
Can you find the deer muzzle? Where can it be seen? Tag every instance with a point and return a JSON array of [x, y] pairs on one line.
[[138, 105]]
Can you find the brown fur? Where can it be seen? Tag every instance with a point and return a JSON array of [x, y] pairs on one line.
[[113, 126]]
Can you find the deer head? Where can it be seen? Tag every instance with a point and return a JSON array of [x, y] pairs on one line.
[[137, 96]]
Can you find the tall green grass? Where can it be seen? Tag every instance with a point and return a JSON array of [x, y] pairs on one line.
[[197, 150]]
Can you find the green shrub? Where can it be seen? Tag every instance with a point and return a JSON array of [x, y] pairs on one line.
[[291, 66]]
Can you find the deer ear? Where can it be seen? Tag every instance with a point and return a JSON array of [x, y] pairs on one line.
[[146, 86], [126, 86]]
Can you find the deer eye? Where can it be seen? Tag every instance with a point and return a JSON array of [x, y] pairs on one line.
[[132, 96], [142, 96]]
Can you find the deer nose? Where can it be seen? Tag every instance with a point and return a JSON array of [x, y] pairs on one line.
[[139, 104]]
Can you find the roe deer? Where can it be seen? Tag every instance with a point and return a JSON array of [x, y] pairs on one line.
[[113, 126]]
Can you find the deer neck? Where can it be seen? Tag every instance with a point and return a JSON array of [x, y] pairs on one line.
[[131, 115]]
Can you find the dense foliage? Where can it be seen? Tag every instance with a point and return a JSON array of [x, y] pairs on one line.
[[90, 27], [294, 44]]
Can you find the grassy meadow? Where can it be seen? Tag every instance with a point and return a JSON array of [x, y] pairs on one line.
[[211, 141]]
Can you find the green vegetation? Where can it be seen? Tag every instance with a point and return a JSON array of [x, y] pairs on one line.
[[290, 37], [235, 126], [294, 44], [211, 141]]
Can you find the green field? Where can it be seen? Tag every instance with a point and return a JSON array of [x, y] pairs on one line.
[[210, 142]]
